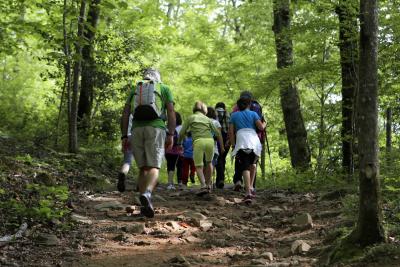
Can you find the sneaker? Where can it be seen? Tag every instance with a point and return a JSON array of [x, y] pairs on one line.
[[203, 191], [170, 187], [238, 186], [121, 182], [253, 193], [147, 208], [247, 199], [182, 186], [220, 185]]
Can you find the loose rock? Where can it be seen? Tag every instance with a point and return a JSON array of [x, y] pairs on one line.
[[110, 205], [303, 221], [300, 246], [47, 239], [80, 219]]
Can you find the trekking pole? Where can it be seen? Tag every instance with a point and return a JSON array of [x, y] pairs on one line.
[[270, 161]]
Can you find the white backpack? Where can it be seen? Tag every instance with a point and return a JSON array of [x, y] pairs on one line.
[[144, 106]]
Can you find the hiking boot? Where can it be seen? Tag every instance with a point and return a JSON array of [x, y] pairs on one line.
[[147, 208], [121, 182], [247, 199], [238, 186], [203, 191], [170, 187]]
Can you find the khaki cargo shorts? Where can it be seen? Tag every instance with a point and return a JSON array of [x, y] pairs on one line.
[[148, 146]]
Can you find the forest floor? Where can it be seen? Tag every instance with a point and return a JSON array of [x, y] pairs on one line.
[[281, 228]]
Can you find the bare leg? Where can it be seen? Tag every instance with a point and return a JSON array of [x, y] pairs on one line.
[[247, 181], [253, 168], [148, 179], [171, 177], [200, 174], [207, 174]]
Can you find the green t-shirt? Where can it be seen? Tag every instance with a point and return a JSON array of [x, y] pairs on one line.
[[166, 97], [199, 125]]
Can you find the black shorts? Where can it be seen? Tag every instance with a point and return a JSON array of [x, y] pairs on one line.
[[172, 159], [246, 159]]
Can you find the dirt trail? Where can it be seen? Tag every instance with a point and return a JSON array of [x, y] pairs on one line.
[[192, 231]]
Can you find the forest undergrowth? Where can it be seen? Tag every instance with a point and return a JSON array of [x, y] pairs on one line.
[[58, 196]]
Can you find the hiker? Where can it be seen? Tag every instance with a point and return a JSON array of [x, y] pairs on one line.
[[128, 157], [148, 102], [202, 129], [173, 155], [213, 116], [245, 142], [187, 160], [223, 118], [256, 107]]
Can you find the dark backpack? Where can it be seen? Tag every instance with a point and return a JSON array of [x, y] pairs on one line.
[[256, 107]]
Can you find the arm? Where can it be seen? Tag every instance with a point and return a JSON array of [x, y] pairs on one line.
[[232, 134], [182, 133], [219, 139], [171, 125], [261, 125], [124, 126]]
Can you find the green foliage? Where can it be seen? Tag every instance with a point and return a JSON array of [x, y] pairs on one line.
[[46, 203], [350, 206]]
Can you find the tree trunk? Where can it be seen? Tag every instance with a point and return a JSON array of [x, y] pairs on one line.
[[67, 68], [296, 133], [88, 68], [73, 130], [169, 13], [369, 228], [348, 39], [389, 121]]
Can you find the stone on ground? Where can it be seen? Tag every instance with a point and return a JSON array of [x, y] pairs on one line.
[[299, 247], [47, 239], [303, 220], [135, 228], [110, 205], [80, 219]]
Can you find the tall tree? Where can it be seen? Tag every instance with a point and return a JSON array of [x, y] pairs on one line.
[[73, 130], [88, 66], [347, 12], [296, 132], [369, 228], [389, 120]]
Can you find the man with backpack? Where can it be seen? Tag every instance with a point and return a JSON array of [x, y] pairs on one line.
[[256, 107], [150, 104]]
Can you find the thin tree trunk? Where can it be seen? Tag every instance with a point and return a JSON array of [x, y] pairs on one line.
[[67, 68], [369, 228], [296, 133], [236, 23], [389, 121], [348, 44], [73, 130], [88, 68], [169, 13], [178, 7]]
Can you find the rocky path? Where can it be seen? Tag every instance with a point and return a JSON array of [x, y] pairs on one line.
[[279, 229]]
